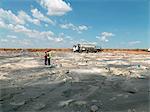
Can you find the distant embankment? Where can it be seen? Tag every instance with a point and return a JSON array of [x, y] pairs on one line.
[[125, 50], [69, 50], [36, 49], [132, 51]]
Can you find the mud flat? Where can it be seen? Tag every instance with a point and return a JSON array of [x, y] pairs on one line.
[[100, 82]]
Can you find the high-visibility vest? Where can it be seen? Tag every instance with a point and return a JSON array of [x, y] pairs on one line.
[[49, 55]]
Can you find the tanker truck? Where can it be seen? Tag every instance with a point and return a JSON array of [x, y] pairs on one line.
[[85, 48]]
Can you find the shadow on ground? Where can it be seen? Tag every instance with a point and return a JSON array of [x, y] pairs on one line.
[[113, 94]]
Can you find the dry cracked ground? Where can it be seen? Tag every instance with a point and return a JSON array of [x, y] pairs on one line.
[[100, 82]]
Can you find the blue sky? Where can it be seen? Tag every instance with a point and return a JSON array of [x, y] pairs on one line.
[[62, 23]]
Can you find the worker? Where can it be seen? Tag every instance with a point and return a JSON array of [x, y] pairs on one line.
[[49, 58], [45, 58]]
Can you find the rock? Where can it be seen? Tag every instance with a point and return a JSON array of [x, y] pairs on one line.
[[80, 103], [126, 96], [94, 101], [59, 66], [67, 71], [129, 110], [65, 79], [39, 106], [17, 103], [132, 92], [94, 108], [133, 110], [53, 72], [65, 103], [141, 77], [112, 99], [119, 95]]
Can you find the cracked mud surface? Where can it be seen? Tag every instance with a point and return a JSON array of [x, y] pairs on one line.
[[106, 82]]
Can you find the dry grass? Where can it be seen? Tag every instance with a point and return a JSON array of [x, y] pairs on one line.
[[131, 51]]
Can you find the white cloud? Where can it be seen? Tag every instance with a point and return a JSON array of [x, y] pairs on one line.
[[83, 41], [37, 14], [46, 25], [33, 33], [10, 18], [39, 35], [25, 17], [58, 39], [134, 42], [29, 32], [71, 26], [25, 42], [83, 27], [2, 24], [69, 37], [4, 40], [19, 28], [15, 43], [55, 7], [104, 36], [16, 24], [108, 34], [11, 36]]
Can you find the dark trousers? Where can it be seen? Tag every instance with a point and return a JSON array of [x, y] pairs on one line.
[[45, 61], [49, 61]]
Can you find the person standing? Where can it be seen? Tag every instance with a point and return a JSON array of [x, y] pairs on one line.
[[49, 58], [45, 58]]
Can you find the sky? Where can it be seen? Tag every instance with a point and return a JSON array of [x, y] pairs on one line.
[[63, 23]]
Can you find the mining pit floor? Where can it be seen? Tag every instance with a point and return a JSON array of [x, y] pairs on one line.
[[75, 82]]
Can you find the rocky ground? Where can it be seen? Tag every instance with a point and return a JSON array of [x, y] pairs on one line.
[[93, 82]]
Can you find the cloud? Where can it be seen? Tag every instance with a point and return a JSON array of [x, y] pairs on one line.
[[38, 15], [46, 25], [108, 34], [82, 27], [28, 32], [4, 40], [24, 42], [2, 24], [10, 18], [83, 41], [31, 33], [58, 39], [69, 37], [30, 37], [134, 42], [26, 18], [71, 26], [11, 36], [104, 36], [55, 7], [20, 42]]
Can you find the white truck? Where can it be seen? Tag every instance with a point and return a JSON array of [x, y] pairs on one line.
[[84, 48]]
